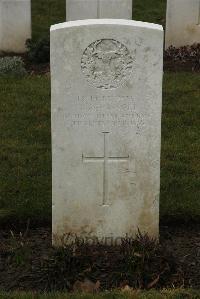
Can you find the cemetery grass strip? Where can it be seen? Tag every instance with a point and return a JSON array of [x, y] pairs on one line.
[[164, 294], [180, 160], [25, 149], [152, 11], [46, 13]]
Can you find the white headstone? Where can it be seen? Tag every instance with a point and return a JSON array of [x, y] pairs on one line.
[[98, 9], [15, 25], [182, 23], [106, 128]]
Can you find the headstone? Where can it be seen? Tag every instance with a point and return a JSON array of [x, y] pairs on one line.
[[98, 9], [15, 25], [182, 23], [106, 128]]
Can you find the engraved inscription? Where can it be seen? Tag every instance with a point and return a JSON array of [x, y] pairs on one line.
[[105, 159], [99, 112], [106, 63]]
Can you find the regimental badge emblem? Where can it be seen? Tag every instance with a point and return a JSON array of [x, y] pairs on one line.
[[107, 63]]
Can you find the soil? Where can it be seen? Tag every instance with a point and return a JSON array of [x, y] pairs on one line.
[[27, 261], [186, 58], [169, 65], [36, 68], [185, 244]]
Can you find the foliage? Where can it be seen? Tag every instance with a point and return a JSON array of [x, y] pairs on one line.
[[13, 66], [62, 268], [185, 54], [146, 264], [39, 51], [19, 249], [138, 262]]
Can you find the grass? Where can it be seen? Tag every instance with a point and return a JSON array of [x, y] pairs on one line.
[[25, 148], [165, 294], [46, 13], [49, 12], [180, 163], [152, 11]]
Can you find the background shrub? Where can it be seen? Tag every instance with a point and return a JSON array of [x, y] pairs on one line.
[[39, 51], [12, 66]]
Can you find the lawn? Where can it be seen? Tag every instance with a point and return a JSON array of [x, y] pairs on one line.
[[180, 163], [46, 13], [165, 294], [25, 149]]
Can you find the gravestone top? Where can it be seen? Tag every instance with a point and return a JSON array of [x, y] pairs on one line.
[[116, 22], [106, 80]]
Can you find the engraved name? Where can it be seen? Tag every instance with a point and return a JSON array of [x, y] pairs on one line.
[[103, 111]]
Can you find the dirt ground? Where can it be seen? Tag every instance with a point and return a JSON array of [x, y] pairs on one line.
[[25, 257], [185, 244]]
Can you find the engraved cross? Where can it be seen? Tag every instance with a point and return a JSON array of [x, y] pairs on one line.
[[105, 159]]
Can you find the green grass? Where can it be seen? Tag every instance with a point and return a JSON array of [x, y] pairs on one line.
[[153, 11], [25, 148], [46, 13], [165, 294], [180, 167], [49, 12]]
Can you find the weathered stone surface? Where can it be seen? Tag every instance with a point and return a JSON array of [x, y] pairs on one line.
[[15, 25], [106, 128], [98, 9], [182, 23]]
